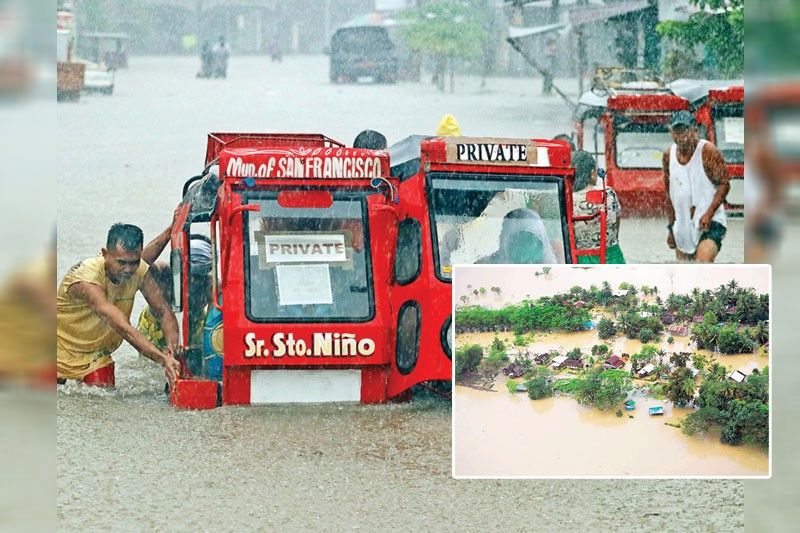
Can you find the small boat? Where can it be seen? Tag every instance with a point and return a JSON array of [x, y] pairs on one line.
[[630, 405], [656, 410]]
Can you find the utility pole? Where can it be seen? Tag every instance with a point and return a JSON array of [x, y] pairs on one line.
[[581, 43]]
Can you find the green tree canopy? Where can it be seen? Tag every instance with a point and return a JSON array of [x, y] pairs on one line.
[[719, 26]]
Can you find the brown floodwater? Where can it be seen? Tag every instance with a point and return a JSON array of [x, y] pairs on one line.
[[500, 434], [503, 434]]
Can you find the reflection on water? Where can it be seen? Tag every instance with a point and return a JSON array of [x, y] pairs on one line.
[[499, 434]]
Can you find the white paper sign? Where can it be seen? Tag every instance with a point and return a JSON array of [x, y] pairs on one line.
[[303, 284], [734, 130], [311, 248]]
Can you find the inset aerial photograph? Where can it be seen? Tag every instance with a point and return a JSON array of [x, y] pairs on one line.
[[612, 371]]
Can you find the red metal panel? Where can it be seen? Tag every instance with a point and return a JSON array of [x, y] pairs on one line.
[[373, 384], [235, 386], [725, 96], [194, 394], [647, 103], [218, 141]]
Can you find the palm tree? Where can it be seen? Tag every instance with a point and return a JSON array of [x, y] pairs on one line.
[[761, 332], [716, 372]]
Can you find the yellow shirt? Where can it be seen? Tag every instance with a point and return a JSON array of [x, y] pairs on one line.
[[26, 334], [84, 340]]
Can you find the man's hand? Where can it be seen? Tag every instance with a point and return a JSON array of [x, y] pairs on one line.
[[705, 220], [172, 369], [671, 240]]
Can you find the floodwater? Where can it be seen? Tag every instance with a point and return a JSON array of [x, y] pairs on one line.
[[519, 282], [500, 434], [129, 461], [503, 434]]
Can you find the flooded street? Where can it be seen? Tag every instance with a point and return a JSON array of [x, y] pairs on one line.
[[500, 434], [129, 461]]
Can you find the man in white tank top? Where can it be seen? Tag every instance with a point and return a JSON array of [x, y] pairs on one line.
[[696, 180]]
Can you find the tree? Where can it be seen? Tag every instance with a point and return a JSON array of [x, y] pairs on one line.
[[606, 329], [699, 361], [716, 372], [680, 387], [539, 387], [575, 353], [761, 332], [468, 358], [445, 30], [719, 26], [646, 335], [646, 355], [680, 359], [733, 341], [604, 389], [600, 350]]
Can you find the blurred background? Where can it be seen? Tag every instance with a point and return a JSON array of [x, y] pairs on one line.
[[540, 48]]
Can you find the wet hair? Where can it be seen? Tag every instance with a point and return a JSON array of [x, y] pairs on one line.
[[370, 140], [126, 236], [566, 138], [584, 165]]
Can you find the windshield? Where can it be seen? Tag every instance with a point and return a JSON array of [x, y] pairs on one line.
[[729, 132], [478, 218], [361, 40], [641, 145], [308, 265], [784, 127]]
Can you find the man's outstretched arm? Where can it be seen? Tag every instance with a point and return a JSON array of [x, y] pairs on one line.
[[95, 296]]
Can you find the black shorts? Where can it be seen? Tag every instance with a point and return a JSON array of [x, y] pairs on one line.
[[715, 232]]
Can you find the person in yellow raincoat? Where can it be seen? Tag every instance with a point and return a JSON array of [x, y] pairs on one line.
[[94, 303], [448, 127]]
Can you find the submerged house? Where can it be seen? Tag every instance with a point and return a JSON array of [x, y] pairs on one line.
[[667, 319], [559, 361], [697, 319], [514, 370], [646, 370], [574, 364], [740, 375], [542, 359], [615, 362], [680, 331]]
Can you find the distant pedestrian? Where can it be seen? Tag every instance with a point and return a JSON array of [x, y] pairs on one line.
[[275, 52], [696, 181], [205, 60], [220, 55]]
